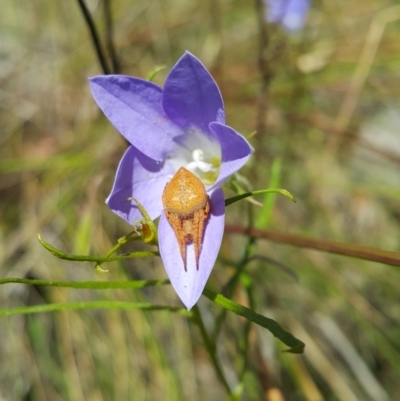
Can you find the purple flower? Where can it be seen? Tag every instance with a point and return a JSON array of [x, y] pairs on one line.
[[181, 125], [291, 14]]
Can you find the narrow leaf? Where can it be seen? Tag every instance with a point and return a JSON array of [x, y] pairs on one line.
[[91, 305], [154, 72], [98, 285], [86, 258], [283, 192], [269, 200], [296, 346]]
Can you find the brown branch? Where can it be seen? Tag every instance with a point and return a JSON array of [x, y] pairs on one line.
[[340, 248]]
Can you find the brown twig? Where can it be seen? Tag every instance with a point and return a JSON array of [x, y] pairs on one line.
[[340, 248]]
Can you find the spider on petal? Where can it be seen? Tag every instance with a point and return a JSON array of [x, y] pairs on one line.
[[181, 125]]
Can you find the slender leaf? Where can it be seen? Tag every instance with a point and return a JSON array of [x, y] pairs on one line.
[[283, 192], [269, 200], [91, 305], [154, 72], [86, 258], [296, 346], [98, 285]]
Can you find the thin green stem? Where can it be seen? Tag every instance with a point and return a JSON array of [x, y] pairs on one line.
[[246, 332], [90, 305], [116, 67], [211, 350], [284, 192], [295, 345], [95, 37], [96, 285], [263, 217], [121, 241], [230, 286], [87, 258]]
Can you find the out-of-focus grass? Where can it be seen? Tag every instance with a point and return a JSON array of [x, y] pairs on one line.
[[58, 156]]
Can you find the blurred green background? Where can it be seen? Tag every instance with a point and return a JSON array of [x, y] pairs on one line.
[[331, 115]]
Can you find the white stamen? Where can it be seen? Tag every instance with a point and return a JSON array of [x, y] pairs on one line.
[[200, 154], [198, 162]]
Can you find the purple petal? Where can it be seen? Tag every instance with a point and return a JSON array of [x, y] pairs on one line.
[[276, 10], [140, 177], [190, 284], [291, 14], [296, 15], [235, 151], [191, 97], [135, 109]]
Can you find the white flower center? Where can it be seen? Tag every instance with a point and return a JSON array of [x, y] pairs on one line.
[[198, 162], [200, 154]]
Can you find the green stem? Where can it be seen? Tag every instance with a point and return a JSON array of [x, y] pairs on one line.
[[211, 350], [95, 285], [231, 284], [86, 258], [229, 287], [284, 192], [296, 346], [121, 241], [90, 305]]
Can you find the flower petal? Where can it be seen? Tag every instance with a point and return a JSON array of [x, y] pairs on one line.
[[190, 95], [276, 10], [296, 15], [134, 107], [140, 177], [291, 14], [189, 284], [235, 151]]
